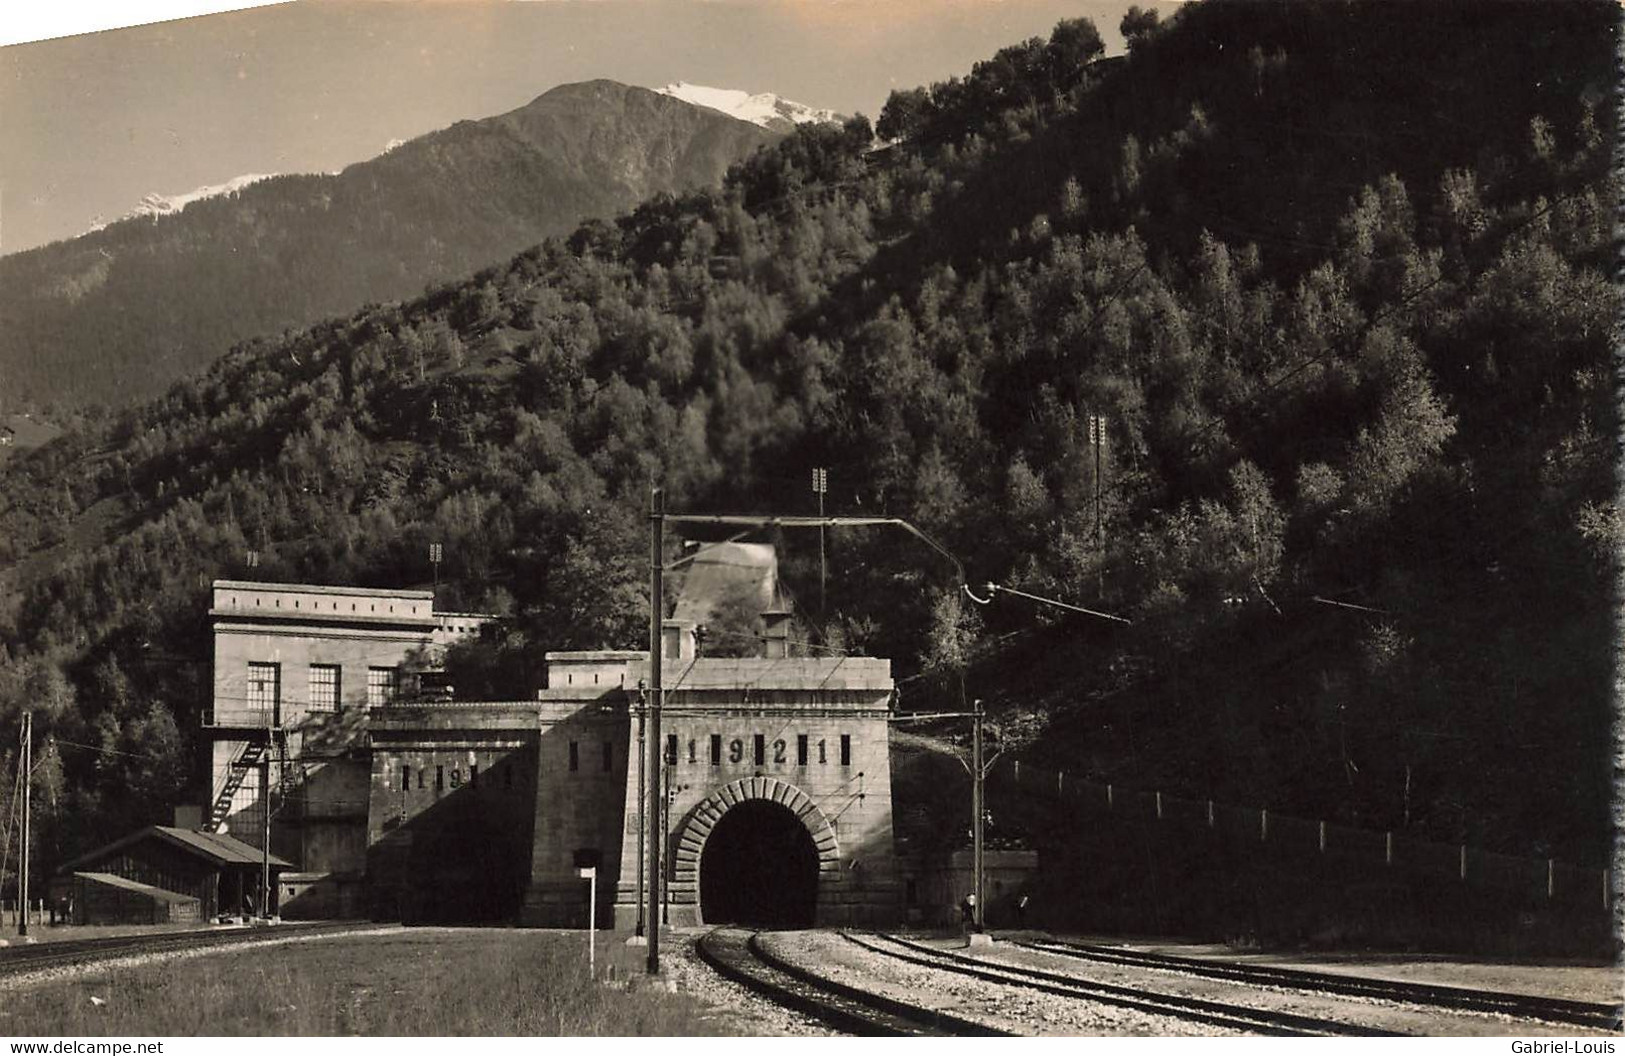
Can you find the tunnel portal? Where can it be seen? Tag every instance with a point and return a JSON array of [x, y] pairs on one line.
[[760, 868]]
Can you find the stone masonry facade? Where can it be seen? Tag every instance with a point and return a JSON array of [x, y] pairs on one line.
[[444, 810]]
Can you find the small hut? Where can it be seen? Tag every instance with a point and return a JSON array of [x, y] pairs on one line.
[[221, 875]]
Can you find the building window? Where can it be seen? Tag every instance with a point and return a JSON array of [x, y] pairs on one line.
[[801, 749], [575, 756], [383, 685], [609, 756], [846, 749], [264, 689], [439, 779], [759, 749], [716, 749], [406, 777], [671, 749], [474, 775], [324, 687]]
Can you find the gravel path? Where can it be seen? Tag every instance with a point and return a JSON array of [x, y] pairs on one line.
[[1011, 1008]]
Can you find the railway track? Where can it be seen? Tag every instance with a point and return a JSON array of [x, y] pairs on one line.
[[1522, 1006], [1197, 1010], [19, 960], [738, 955]]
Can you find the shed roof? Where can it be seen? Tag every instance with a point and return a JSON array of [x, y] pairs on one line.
[[213, 847], [156, 893]]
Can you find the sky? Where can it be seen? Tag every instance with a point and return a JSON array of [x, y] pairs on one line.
[[91, 123]]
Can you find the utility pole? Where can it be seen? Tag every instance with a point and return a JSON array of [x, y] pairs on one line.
[[665, 833], [643, 819], [265, 829], [978, 768], [1097, 439], [978, 775], [657, 526], [28, 781]]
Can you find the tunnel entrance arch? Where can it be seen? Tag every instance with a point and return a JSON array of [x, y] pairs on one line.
[[760, 850], [760, 868]]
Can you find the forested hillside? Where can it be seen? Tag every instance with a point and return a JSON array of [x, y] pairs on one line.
[[1335, 276], [118, 315]]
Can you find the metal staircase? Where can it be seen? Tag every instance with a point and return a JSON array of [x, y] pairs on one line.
[[252, 755]]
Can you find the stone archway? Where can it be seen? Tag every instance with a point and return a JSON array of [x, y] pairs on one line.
[[697, 828]]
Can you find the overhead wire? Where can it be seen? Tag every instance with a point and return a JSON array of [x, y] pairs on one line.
[[102, 751]]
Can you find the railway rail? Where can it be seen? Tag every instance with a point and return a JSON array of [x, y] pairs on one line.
[[1191, 1009], [19, 960], [1522, 1006], [737, 954]]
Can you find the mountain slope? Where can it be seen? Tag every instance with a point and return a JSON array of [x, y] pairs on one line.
[[118, 314]]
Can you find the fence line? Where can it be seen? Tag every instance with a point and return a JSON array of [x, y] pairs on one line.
[[1548, 878]]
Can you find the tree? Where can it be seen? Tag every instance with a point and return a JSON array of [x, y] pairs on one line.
[[905, 115], [596, 596], [1073, 45], [1138, 26], [953, 634]]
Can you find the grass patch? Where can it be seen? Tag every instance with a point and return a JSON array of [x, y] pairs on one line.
[[439, 981]]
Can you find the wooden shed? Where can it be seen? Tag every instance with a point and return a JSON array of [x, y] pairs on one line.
[[221, 874]]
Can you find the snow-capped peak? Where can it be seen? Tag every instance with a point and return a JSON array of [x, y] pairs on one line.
[[764, 108], [156, 204]]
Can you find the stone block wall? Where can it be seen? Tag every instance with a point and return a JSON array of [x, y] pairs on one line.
[[759, 729], [582, 762], [450, 822]]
